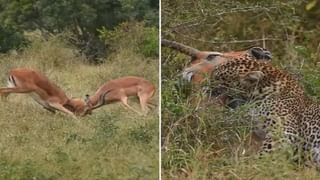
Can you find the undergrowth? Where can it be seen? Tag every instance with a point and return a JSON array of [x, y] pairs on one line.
[[207, 141]]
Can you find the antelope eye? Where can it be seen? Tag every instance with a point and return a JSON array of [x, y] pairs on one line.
[[210, 57]]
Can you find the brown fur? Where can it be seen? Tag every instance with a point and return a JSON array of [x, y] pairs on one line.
[[119, 90], [48, 94]]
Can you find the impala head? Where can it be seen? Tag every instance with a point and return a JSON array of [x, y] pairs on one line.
[[94, 101], [88, 105], [206, 65], [77, 106]]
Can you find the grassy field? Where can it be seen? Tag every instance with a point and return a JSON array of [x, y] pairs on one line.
[[112, 143]]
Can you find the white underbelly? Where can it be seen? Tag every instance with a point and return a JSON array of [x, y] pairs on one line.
[[37, 98]]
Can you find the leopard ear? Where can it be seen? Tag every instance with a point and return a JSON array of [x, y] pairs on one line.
[[253, 77], [260, 53]]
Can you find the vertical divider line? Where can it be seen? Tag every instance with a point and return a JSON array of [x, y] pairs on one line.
[[159, 45]]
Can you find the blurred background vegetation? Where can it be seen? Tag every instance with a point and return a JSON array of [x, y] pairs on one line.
[[87, 23], [210, 142], [79, 45]]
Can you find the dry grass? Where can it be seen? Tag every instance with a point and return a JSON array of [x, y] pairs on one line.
[[113, 143], [212, 142], [215, 143]]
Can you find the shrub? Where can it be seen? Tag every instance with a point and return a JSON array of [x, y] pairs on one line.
[[10, 39], [133, 36]]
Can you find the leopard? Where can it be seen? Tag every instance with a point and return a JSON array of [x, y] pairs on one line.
[[282, 111], [204, 70]]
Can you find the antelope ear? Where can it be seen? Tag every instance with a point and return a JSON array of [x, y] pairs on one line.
[[86, 99], [253, 77], [212, 56]]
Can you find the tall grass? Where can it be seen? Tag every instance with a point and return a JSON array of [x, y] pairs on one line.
[[212, 142], [113, 143]]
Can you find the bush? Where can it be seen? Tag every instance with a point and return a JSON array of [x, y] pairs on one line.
[[149, 46], [133, 36], [10, 39]]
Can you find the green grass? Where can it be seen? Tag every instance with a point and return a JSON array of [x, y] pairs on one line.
[[112, 143], [212, 142]]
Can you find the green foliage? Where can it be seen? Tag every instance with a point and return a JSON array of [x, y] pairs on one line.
[[80, 17], [311, 5], [147, 10], [10, 39], [105, 127], [141, 134], [24, 171], [149, 47], [58, 15], [133, 35], [173, 99]]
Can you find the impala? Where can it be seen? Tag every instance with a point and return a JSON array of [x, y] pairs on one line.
[[43, 91], [119, 90], [203, 68]]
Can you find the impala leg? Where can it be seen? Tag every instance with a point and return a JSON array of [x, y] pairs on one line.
[[124, 101], [7, 90], [61, 108], [4, 92], [144, 103], [50, 110], [144, 100], [151, 105]]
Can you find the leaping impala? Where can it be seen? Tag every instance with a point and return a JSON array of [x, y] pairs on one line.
[[119, 90], [44, 92]]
